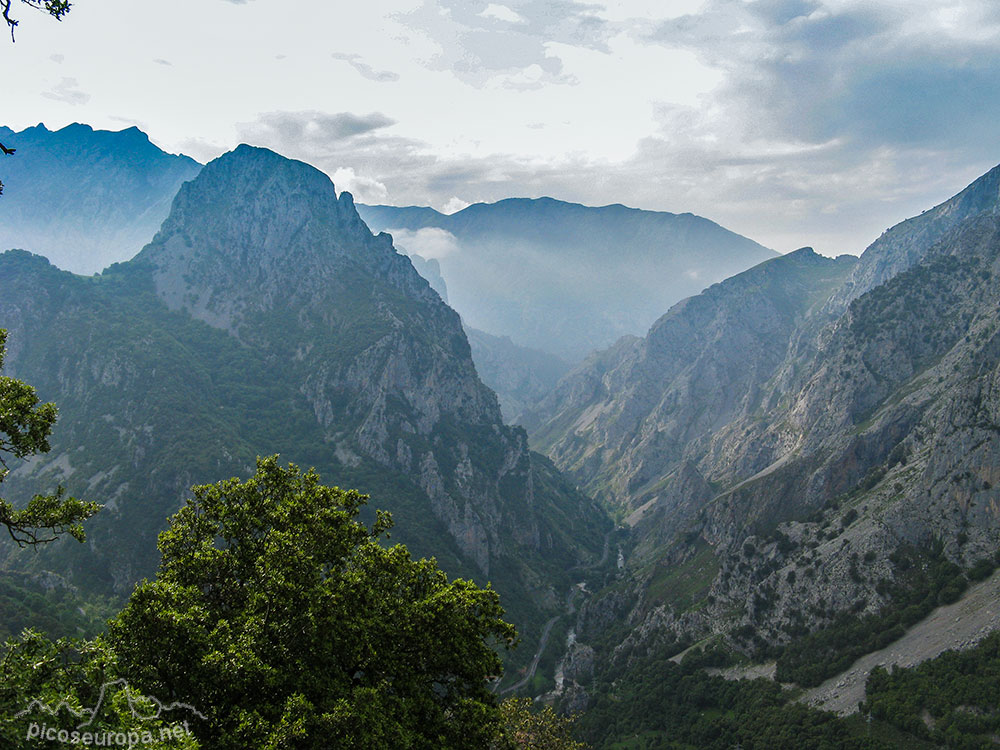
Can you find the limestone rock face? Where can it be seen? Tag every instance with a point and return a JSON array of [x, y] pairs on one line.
[[902, 246], [262, 247], [624, 422], [779, 441], [888, 444]]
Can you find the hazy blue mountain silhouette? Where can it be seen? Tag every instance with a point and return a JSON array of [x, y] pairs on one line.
[[86, 198], [566, 278]]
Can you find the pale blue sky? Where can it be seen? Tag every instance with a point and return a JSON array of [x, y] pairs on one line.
[[794, 122]]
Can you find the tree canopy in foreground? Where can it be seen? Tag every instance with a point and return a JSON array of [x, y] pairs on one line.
[[289, 624]]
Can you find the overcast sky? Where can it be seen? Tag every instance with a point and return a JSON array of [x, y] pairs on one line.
[[794, 122]]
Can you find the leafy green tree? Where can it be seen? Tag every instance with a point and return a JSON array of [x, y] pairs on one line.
[[25, 425], [285, 620], [534, 730]]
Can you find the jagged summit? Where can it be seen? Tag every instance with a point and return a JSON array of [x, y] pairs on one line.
[[256, 230], [260, 191]]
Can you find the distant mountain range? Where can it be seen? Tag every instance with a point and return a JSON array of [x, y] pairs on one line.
[[801, 452], [564, 278], [555, 278], [86, 198]]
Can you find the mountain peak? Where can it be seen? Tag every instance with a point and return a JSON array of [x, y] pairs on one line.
[[254, 197], [255, 230]]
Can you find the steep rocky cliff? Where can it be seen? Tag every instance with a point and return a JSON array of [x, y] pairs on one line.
[[628, 420], [903, 245], [797, 465], [264, 317]]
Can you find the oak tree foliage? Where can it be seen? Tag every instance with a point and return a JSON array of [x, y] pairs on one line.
[[291, 624], [70, 685], [25, 425], [526, 729]]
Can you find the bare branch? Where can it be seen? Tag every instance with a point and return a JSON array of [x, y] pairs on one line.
[[55, 8], [5, 4]]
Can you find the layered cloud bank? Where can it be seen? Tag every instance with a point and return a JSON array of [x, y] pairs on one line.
[[790, 121]]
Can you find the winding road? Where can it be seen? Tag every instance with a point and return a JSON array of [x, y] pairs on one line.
[[542, 643], [547, 630]]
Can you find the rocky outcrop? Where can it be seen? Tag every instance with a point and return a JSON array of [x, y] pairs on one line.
[[624, 423], [903, 245], [430, 269]]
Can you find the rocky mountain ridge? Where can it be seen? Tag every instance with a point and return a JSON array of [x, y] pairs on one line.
[[633, 416], [834, 473], [904, 244]]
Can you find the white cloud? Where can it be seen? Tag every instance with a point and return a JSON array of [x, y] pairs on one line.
[[364, 189], [430, 243], [647, 10], [67, 91], [312, 126], [454, 205], [366, 70], [501, 13]]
